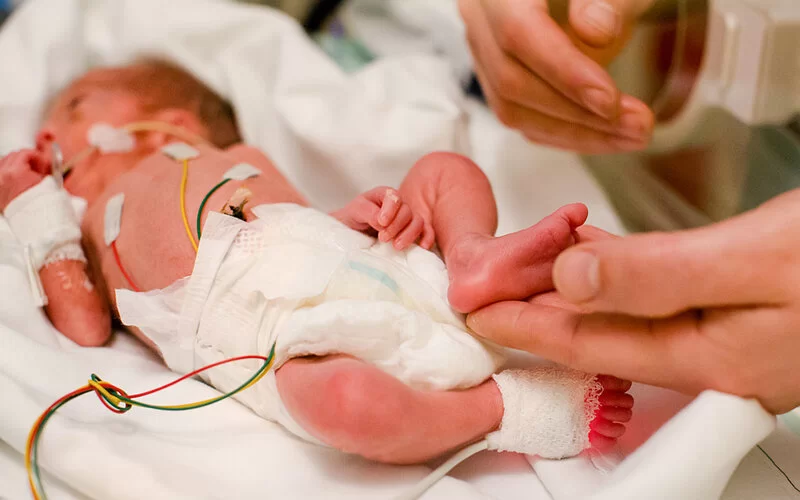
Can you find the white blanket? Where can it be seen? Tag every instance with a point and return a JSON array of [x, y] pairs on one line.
[[333, 135]]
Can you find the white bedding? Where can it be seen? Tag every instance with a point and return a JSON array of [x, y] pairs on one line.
[[333, 135]]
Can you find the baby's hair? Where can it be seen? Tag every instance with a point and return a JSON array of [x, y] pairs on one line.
[[160, 84]]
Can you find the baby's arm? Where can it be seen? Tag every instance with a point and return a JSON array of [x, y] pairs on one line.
[[75, 306], [382, 211]]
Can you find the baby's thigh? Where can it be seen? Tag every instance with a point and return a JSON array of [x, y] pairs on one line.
[[326, 395]]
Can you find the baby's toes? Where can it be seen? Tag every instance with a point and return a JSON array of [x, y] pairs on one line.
[[607, 428], [615, 414], [611, 383], [616, 398], [601, 442]]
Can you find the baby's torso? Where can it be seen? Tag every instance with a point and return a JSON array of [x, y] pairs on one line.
[[153, 246]]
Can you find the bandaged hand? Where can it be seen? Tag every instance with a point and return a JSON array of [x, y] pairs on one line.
[[382, 212], [20, 171]]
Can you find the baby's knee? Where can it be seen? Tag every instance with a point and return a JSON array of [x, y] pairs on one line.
[[447, 163]]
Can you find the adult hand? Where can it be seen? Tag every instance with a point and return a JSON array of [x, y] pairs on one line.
[[548, 82], [711, 308]]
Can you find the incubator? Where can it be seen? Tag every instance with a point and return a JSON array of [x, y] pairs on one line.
[[724, 78]]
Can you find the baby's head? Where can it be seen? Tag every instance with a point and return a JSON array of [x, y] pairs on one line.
[[146, 90]]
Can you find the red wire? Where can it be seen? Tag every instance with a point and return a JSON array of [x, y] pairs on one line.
[[119, 263], [192, 374]]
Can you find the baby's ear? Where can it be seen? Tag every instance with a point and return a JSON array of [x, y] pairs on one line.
[[178, 117]]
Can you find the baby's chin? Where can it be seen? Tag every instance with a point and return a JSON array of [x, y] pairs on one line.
[[77, 186]]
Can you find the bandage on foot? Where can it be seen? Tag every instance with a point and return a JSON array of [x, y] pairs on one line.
[[484, 270], [556, 413]]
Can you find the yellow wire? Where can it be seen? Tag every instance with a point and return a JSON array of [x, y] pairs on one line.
[[184, 179], [116, 401]]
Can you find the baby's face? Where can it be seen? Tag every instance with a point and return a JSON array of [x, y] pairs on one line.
[[91, 99]]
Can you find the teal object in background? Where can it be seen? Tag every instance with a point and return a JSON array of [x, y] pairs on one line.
[[792, 420], [345, 50], [5, 10]]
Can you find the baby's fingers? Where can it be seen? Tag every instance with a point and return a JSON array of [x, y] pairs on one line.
[[390, 207], [399, 223], [428, 236], [410, 234]]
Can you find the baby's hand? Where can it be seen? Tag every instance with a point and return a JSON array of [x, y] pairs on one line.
[[382, 211], [20, 171]]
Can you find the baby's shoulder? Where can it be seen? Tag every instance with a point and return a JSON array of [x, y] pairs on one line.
[[248, 154]]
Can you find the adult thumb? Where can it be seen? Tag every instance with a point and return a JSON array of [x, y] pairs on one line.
[[604, 23], [658, 275]]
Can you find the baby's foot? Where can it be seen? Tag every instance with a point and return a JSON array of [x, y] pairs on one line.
[[484, 270], [556, 413], [615, 409]]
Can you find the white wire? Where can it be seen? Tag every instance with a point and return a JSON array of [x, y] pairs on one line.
[[420, 488]]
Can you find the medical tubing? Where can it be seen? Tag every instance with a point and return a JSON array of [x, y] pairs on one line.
[[184, 180], [144, 126], [203, 204], [421, 487], [167, 128], [118, 401]]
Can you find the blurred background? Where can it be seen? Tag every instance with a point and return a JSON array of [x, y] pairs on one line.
[[729, 168]]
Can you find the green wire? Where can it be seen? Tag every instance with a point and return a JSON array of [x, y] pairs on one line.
[[203, 204], [35, 447], [130, 403], [207, 403]]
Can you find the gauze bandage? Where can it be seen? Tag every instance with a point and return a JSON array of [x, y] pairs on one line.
[[109, 139], [43, 219], [547, 411]]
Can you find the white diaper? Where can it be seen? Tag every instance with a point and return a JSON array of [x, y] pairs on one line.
[[300, 279]]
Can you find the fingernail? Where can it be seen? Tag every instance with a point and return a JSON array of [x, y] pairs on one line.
[[473, 323], [579, 276], [603, 16], [630, 144], [599, 101], [632, 126]]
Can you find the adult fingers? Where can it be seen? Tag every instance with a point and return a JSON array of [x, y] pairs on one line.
[[659, 275], [600, 23], [524, 30], [550, 131], [511, 81], [628, 348]]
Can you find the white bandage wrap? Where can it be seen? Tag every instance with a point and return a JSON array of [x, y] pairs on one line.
[[109, 139], [43, 219], [547, 411]]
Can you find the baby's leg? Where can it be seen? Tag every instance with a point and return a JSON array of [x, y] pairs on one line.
[[452, 193], [357, 408]]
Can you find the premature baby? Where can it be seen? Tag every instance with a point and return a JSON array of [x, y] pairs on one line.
[[372, 352]]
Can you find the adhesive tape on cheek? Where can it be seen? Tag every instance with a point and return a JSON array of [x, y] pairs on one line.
[[109, 139], [43, 219]]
